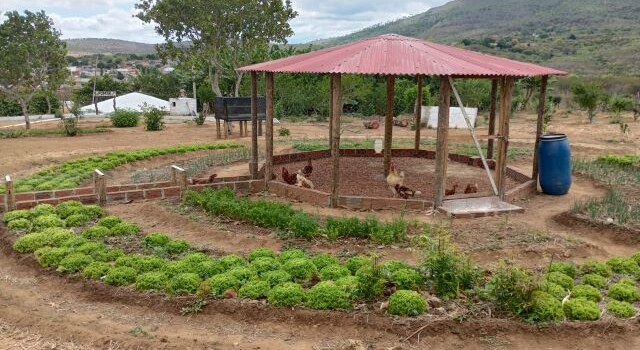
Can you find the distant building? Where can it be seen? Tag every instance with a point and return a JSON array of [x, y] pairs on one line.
[[133, 101]]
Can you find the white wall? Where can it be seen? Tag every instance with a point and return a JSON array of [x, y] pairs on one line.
[[456, 119], [182, 106]]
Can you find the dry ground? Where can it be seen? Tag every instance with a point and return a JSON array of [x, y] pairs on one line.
[[40, 310]]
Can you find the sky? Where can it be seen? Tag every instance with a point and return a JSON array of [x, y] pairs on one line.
[[317, 19]]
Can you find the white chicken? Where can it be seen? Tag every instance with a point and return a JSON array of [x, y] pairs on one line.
[[394, 178]]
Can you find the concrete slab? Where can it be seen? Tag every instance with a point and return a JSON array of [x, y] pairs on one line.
[[478, 207]]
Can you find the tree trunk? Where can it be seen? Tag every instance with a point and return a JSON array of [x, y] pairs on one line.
[[239, 76], [214, 79], [25, 113], [48, 99]]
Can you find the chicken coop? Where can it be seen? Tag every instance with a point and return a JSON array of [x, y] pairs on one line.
[[391, 56], [238, 109]]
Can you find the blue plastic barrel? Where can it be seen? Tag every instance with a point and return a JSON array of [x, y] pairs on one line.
[[554, 164]]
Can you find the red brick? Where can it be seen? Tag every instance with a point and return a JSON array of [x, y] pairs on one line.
[[153, 193], [25, 205], [171, 191], [24, 197], [197, 187], [87, 199], [84, 191], [145, 186], [43, 195], [117, 196], [132, 195], [52, 201], [163, 184], [126, 188], [63, 193], [2, 199], [111, 189], [258, 185]]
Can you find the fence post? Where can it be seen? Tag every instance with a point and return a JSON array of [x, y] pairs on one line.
[[179, 178], [9, 194], [100, 186]]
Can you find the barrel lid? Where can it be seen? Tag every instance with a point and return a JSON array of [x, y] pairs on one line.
[[553, 137]]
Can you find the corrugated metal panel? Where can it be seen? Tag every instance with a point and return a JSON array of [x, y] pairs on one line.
[[394, 54]]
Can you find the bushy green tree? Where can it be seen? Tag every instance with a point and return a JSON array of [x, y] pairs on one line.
[[588, 95]]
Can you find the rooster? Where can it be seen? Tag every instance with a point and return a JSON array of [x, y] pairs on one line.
[[208, 180], [452, 191], [394, 178], [308, 169], [405, 192], [471, 188], [302, 181], [290, 179]]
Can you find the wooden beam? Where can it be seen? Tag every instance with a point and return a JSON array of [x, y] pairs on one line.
[[540, 126], [268, 165], [442, 146], [506, 93], [336, 110], [492, 117], [388, 123], [9, 194], [330, 108], [100, 186], [418, 113], [253, 165]]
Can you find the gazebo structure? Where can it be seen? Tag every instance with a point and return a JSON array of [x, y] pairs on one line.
[[392, 55]]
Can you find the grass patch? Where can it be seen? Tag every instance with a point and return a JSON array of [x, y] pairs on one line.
[[18, 133]]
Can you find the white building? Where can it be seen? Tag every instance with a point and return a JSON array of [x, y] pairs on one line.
[[183, 106], [134, 101]]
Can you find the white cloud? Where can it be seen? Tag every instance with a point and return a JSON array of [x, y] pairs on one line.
[[8, 5]]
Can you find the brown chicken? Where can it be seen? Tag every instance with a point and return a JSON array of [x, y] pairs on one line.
[[394, 178], [288, 178], [471, 188], [452, 191], [308, 169], [405, 192], [208, 180]]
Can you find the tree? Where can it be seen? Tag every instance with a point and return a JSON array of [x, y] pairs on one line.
[[619, 104], [587, 96], [216, 29], [33, 57]]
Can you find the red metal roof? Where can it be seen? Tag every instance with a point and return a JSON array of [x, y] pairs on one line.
[[394, 54]]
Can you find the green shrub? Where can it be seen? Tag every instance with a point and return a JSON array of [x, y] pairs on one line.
[[333, 272], [177, 246], [108, 254], [581, 309], [264, 264], [292, 254], [594, 280], [125, 228], [232, 260], [96, 270], [173, 268], [596, 267], [242, 273], [560, 279], [624, 265], [76, 220], [68, 208], [261, 253], [90, 247], [50, 256], [74, 262], [349, 284], [390, 266], [219, 284], [151, 281], [355, 263], [125, 118], [621, 309], [323, 259], [556, 290], [300, 269], [19, 225], [370, 282], [141, 263], [406, 303], [408, 279], [208, 268], [46, 221], [121, 276], [109, 221], [276, 277], [195, 258], [394, 231], [624, 292], [568, 268], [586, 291], [450, 271], [43, 209], [96, 232], [184, 283], [16, 214], [92, 211], [510, 287], [303, 225], [153, 118], [326, 295], [286, 294], [74, 241], [29, 243], [636, 257], [156, 239], [544, 308], [254, 289]]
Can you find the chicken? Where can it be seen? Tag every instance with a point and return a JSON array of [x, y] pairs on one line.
[[471, 188], [302, 181], [208, 180], [452, 191], [394, 178], [308, 169], [230, 294], [290, 179], [405, 192]]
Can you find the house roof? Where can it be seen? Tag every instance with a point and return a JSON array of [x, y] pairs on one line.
[[393, 54], [133, 101]]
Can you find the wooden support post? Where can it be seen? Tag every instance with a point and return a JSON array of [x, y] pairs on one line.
[[241, 128], [506, 92], [540, 127], [253, 165], [418, 113], [260, 127], [9, 194], [388, 123], [246, 128], [336, 110], [492, 117], [225, 125], [218, 130], [442, 143], [100, 186], [330, 108], [268, 165], [179, 178]]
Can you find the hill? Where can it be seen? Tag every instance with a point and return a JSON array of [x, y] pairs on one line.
[[581, 36], [88, 46]]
